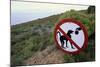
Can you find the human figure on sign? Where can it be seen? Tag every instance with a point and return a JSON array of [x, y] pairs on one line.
[[69, 33]]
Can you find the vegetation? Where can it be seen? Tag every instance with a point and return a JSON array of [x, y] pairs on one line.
[[31, 37]]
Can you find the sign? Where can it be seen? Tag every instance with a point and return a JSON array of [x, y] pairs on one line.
[[71, 36]]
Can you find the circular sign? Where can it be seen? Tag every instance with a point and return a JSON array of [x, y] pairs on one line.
[[71, 36]]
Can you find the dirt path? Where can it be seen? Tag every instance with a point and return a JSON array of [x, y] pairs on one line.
[[48, 56]]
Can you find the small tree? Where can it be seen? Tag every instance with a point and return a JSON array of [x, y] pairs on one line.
[[91, 9]]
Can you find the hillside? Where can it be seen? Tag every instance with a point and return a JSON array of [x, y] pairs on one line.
[[33, 42]]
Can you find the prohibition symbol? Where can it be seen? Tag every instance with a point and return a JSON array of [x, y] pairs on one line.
[[71, 36]]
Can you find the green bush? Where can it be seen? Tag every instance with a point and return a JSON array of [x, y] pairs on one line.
[[29, 38], [68, 58]]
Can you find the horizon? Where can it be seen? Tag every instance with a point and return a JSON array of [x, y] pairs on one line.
[[22, 12]]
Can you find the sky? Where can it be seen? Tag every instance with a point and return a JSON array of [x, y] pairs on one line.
[[22, 12]]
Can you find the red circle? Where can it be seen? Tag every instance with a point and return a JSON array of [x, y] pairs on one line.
[[79, 24]]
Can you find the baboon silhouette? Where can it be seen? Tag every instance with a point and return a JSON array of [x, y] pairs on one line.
[[63, 38]]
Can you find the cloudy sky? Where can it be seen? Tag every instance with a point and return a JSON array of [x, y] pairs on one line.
[[26, 11]]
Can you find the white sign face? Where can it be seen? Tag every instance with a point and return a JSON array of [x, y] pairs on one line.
[[70, 29], [71, 36]]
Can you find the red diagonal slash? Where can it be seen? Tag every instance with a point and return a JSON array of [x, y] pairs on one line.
[[71, 41]]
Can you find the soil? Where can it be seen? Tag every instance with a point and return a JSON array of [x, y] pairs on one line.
[[51, 55]]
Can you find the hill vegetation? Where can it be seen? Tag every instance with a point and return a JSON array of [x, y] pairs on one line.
[[34, 39]]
